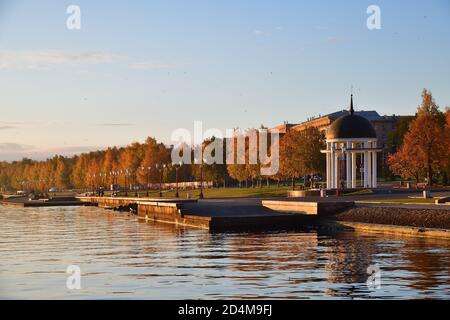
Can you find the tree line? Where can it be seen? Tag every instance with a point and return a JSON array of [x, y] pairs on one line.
[[140, 164]]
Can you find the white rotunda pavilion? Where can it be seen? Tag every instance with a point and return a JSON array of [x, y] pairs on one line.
[[351, 140]]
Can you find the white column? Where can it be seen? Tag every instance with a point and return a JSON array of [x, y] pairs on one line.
[[374, 167], [369, 167], [332, 165], [336, 169], [354, 166], [366, 165], [328, 166], [349, 166]]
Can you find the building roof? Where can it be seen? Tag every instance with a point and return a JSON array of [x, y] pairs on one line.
[[283, 128], [328, 119], [369, 115], [351, 125]]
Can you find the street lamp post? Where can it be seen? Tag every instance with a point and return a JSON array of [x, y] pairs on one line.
[[201, 196], [148, 181], [101, 184], [121, 172], [126, 182], [148, 178], [133, 175], [161, 170], [92, 180], [111, 174], [177, 167], [115, 175]]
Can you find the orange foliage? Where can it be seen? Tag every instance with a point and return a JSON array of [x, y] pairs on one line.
[[425, 146]]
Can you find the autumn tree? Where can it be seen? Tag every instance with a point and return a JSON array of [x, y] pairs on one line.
[[215, 172], [424, 148], [238, 169], [300, 153], [109, 164], [93, 178], [153, 153], [253, 165], [79, 171], [405, 163], [446, 170], [62, 174]]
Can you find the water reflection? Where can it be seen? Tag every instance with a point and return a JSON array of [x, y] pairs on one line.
[[428, 267], [122, 257]]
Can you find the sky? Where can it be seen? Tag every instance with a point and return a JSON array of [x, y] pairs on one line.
[[146, 68]]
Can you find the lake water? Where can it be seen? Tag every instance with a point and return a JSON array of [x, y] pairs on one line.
[[122, 258]]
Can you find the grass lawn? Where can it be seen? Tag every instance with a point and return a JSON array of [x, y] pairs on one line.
[[221, 193], [360, 192]]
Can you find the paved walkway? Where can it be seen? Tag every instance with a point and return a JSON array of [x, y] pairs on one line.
[[252, 207], [229, 208]]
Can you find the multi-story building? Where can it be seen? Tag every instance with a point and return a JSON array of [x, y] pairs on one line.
[[284, 128]]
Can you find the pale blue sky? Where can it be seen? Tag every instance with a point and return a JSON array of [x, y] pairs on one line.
[[145, 68]]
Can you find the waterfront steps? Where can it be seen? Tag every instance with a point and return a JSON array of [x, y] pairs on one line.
[[320, 208]]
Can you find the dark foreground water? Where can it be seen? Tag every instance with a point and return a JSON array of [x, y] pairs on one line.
[[120, 257]]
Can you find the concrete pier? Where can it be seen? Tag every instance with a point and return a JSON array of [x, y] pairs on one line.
[[53, 202], [282, 214], [224, 214], [116, 202], [270, 214]]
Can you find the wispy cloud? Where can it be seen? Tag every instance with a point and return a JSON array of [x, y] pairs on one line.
[[261, 33], [332, 40], [149, 65], [14, 147], [70, 150], [32, 123], [114, 124], [45, 60], [14, 123], [16, 151], [321, 28]]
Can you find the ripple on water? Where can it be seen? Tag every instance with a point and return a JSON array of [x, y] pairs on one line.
[[121, 257]]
